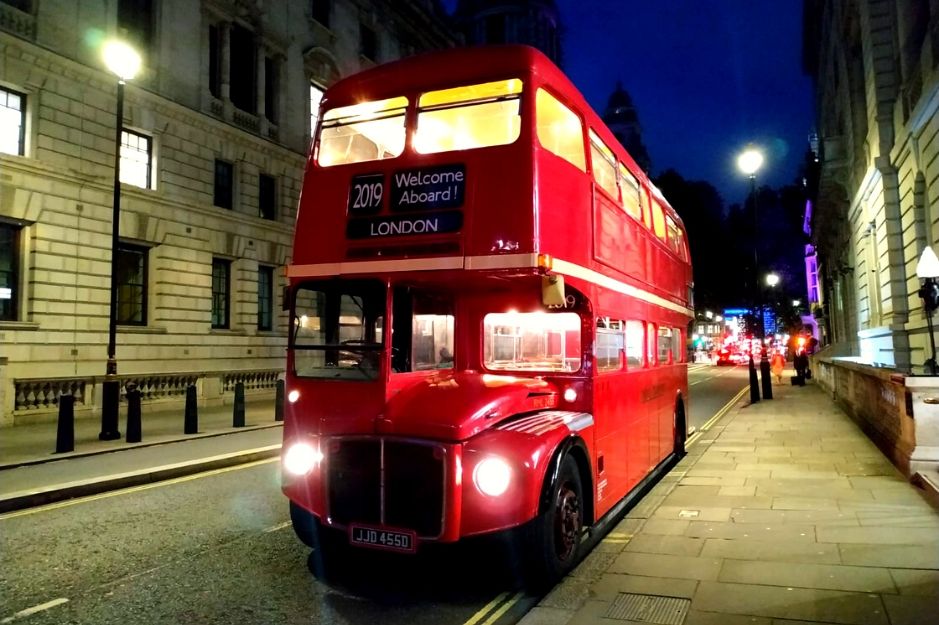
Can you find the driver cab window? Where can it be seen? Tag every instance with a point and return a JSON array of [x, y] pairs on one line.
[[422, 337]]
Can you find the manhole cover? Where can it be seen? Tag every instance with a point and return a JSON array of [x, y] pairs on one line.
[[649, 609]]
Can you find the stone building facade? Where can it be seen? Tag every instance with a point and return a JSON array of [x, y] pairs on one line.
[[875, 65], [536, 23], [216, 130]]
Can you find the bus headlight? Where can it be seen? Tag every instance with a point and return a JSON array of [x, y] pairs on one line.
[[293, 396], [301, 458], [492, 476]]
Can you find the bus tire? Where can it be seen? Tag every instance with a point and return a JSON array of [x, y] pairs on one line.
[[554, 537], [681, 429]]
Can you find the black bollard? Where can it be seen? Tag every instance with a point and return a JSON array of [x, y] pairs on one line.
[[766, 377], [65, 436], [191, 425], [279, 401], [238, 416], [134, 434], [754, 383]]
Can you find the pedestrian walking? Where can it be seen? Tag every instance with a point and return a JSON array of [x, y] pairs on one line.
[[801, 363], [777, 364]]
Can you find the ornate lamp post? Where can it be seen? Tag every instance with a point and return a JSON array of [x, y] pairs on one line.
[[927, 270], [124, 62], [749, 162]]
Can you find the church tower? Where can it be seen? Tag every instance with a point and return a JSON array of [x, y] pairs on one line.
[[621, 118], [532, 22]]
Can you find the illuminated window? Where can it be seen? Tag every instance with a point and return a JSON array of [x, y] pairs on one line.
[[12, 122], [560, 130], [635, 343], [422, 335], [664, 344], [603, 165], [651, 345], [676, 345], [221, 287], [609, 344], [9, 271], [136, 159], [370, 131], [658, 219], [629, 189], [646, 212], [675, 237], [316, 96], [536, 341], [131, 269], [265, 298], [475, 116]]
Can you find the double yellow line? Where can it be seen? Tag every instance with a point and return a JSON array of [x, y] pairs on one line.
[[494, 609], [717, 415]]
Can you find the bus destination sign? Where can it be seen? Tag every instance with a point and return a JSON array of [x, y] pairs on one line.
[[427, 223], [428, 188]]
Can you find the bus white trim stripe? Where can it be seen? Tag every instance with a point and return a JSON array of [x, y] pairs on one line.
[[576, 271], [493, 261]]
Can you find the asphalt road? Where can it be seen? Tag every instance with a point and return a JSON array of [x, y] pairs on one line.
[[218, 548]]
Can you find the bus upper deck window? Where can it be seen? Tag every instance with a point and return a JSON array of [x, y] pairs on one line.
[[560, 130], [369, 131], [674, 236], [603, 165], [474, 116], [658, 219], [629, 189]]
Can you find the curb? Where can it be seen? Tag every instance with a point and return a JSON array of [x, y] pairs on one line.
[[53, 457], [84, 488]]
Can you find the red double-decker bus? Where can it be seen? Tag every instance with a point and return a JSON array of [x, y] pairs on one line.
[[488, 302]]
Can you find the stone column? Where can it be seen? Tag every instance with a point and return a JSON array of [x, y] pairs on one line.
[[225, 70], [7, 395], [261, 91]]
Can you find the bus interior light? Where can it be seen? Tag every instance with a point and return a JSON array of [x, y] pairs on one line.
[[492, 476]]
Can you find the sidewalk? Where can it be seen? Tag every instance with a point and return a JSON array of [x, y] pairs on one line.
[[32, 474], [783, 512]]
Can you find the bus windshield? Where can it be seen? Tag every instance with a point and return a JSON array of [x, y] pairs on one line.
[[338, 329], [533, 341]]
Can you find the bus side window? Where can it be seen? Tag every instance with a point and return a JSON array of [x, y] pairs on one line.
[[676, 345], [658, 219], [646, 212], [674, 236], [603, 165], [635, 343], [560, 130], [664, 345], [422, 336], [629, 189], [610, 342], [651, 339]]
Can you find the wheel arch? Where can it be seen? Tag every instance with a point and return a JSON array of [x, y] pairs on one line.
[[575, 447]]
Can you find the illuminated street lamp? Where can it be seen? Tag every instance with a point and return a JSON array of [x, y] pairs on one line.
[[927, 270], [772, 279], [749, 162], [124, 62]]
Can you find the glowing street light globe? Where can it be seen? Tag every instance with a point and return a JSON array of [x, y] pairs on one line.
[[121, 59], [772, 279], [750, 161]]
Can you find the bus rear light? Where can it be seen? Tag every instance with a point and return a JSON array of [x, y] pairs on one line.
[[301, 458], [293, 396], [492, 476], [570, 395]]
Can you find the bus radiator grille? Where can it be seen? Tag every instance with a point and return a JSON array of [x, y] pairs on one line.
[[413, 484]]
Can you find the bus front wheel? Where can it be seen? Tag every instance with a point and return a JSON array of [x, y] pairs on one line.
[[554, 537]]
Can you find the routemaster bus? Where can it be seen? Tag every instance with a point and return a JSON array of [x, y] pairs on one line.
[[488, 306]]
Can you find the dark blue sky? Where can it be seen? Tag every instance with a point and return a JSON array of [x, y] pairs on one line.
[[707, 78]]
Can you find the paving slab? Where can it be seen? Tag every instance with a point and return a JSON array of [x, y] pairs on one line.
[[698, 514], [756, 550], [781, 532], [824, 576], [662, 565], [921, 556], [922, 582], [827, 606], [911, 610], [611, 584], [834, 517], [670, 545], [877, 535]]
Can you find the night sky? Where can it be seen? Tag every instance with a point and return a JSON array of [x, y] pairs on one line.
[[707, 77]]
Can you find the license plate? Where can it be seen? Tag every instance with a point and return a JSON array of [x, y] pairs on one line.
[[376, 538]]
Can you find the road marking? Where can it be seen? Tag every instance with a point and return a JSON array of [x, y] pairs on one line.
[[134, 489], [485, 609], [35, 609], [713, 376], [502, 610], [720, 413], [279, 526]]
